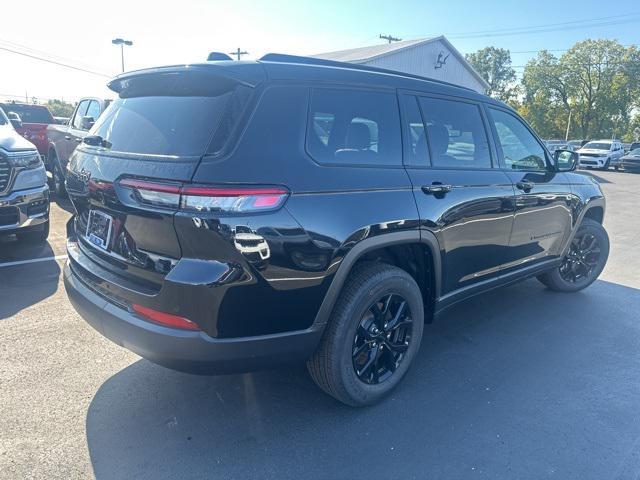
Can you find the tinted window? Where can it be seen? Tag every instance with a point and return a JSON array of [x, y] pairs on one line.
[[354, 127], [94, 110], [416, 151], [30, 113], [180, 126], [3, 118], [80, 112], [456, 134], [520, 149]]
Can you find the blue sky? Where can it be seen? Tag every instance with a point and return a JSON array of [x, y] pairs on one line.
[[184, 31]]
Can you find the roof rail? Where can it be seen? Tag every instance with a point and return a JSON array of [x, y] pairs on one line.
[[283, 58]]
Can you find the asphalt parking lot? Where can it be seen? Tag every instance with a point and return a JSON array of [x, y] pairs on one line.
[[518, 383]]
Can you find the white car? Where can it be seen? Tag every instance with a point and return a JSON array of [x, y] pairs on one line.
[[601, 154]]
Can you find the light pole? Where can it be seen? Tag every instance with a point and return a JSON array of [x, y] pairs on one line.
[[122, 43]]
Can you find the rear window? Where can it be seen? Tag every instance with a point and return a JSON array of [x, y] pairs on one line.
[[30, 113], [162, 125], [354, 127]]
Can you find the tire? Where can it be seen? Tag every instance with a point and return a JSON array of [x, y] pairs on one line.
[[39, 235], [560, 279], [57, 178], [333, 365]]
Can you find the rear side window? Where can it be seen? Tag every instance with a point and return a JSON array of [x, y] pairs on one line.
[[416, 152], [162, 125], [354, 127], [456, 133]]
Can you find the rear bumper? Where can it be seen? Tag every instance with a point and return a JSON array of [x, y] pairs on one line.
[[24, 209], [192, 352]]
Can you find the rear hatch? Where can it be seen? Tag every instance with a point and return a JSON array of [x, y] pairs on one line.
[[125, 179]]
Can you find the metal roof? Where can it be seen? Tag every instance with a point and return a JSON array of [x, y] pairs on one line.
[[365, 54]]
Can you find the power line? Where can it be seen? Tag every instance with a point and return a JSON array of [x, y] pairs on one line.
[[389, 38], [547, 25], [550, 27], [54, 62], [48, 55]]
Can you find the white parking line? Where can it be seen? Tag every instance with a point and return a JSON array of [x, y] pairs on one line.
[[33, 260]]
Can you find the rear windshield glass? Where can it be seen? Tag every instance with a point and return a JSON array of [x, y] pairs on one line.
[[30, 113], [156, 125]]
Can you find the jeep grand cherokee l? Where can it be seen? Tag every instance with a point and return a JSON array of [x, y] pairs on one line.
[[234, 216]]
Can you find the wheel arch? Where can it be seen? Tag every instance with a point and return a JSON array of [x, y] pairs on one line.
[[383, 243], [594, 209]]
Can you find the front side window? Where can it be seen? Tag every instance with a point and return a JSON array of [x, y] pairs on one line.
[[93, 110], [520, 149], [456, 134], [354, 127], [80, 112]]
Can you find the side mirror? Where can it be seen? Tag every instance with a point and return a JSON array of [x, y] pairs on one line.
[[15, 119], [566, 160], [87, 122]]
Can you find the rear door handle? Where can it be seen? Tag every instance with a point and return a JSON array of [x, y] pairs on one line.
[[436, 188], [525, 186]]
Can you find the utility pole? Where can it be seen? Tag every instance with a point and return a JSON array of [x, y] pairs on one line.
[[566, 136], [238, 53], [389, 38], [122, 43]]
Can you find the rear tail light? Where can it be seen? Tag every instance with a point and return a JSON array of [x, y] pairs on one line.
[[165, 319], [196, 198]]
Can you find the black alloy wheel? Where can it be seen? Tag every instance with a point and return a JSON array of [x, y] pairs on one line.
[[382, 339], [583, 258]]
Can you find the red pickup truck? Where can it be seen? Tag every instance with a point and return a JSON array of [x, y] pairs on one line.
[[35, 119]]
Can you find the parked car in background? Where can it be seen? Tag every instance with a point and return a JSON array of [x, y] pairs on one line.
[[631, 161], [554, 145], [35, 119], [577, 144], [601, 154], [63, 139], [634, 145], [236, 216], [24, 194]]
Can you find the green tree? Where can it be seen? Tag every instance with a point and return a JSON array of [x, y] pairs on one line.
[[60, 108], [596, 80], [494, 65]]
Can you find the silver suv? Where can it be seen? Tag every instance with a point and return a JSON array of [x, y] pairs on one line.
[[24, 194], [601, 154]]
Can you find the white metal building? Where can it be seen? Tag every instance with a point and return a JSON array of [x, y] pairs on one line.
[[433, 57]]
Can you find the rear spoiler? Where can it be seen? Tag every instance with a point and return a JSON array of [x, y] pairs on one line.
[[188, 80]]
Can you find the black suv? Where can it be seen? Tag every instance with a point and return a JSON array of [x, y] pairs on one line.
[[232, 216]]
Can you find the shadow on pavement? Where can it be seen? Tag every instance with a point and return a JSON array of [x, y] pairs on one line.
[[589, 173], [63, 203], [24, 285], [518, 383]]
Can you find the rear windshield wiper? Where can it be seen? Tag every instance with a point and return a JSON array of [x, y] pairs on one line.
[[96, 141]]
